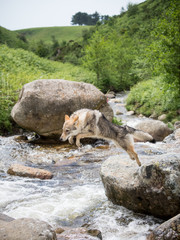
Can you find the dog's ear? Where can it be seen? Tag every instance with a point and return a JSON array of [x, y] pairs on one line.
[[76, 117], [67, 118]]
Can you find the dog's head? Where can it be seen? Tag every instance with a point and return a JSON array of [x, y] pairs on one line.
[[70, 127]]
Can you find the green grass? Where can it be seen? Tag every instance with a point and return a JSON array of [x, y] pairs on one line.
[[18, 67], [60, 33], [11, 38]]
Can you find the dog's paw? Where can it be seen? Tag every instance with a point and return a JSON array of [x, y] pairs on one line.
[[78, 144]]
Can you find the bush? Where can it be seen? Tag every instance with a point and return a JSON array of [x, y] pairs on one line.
[[152, 96]]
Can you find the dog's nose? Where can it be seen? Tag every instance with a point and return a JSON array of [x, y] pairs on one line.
[[60, 139]]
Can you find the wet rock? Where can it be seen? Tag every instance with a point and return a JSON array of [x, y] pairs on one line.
[[169, 230], [177, 125], [43, 104], [26, 229], [155, 128], [170, 138], [152, 189], [78, 234], [177, 134], [5, 218], [24, 171]]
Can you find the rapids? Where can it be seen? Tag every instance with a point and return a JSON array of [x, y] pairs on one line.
[[75, 196]]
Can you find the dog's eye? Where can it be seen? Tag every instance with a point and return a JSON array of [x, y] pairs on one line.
[[67, 130]]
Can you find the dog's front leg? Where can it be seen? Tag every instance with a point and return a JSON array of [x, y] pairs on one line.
[[82, 135], [71, 140]]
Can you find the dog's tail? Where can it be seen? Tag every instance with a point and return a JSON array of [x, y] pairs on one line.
[[140, 136]]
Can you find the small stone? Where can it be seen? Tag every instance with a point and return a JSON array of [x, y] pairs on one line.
[[162, 117], [129, 113], [154, 116], [59, 230], [177, 125], [24, 171], [95, 233], [118, 112], [21, 138]]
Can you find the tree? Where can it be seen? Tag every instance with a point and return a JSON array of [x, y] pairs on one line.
[[94, 18], [82, 18], [163, 53], [110, 57]]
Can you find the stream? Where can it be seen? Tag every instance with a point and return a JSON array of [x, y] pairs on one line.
[[75, 195]]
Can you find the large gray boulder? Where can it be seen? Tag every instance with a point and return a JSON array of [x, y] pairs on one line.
[[43, 104], [26, 229], [152, 189], [155, 128]]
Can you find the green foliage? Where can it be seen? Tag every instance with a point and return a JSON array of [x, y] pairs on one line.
[[160, 61], [18, 67], [141, 44], [116, 121], [110, 57], [153, 97], [132, 9]]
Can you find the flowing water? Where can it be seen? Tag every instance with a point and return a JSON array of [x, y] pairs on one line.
[[75, 196]]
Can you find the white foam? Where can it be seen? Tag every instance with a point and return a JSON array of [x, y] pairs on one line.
[[51, 206], [117, 222]]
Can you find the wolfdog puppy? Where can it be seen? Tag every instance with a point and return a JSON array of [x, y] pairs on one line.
[[86, 123]]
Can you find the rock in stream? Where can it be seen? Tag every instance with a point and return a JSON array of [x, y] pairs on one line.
[[152, 189]]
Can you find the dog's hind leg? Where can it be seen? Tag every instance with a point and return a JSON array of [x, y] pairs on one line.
[[133, 155], [127, 143]]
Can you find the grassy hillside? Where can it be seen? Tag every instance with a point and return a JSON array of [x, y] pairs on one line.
[[18, 67], [60, 33], [11, 38]]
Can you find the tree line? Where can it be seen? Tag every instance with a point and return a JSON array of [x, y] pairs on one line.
[[82, 18]]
